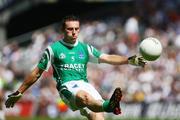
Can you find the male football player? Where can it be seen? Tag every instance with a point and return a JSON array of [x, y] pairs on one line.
[[69, 58]]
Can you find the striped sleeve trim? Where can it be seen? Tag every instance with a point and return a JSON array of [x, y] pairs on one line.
[[50, 55], [92, 57]]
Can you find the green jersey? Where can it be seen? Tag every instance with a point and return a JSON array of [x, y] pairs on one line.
[[69, 61]]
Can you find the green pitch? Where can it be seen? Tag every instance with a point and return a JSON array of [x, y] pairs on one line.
[[46, 118]]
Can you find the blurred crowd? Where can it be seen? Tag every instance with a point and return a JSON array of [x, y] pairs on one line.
[[158, 81]]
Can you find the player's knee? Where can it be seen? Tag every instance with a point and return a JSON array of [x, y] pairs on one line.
[[83, 98]]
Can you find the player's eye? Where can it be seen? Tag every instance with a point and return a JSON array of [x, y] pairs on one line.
[[71, 29], [76, 28]]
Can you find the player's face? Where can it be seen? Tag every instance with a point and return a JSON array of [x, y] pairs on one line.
[[71, 31]]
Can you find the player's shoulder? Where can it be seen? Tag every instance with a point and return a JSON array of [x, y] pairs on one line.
[[83, 43], [53, 47], [87, 45]]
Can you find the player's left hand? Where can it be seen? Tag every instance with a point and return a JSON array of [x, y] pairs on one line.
[[12, 99], [137, 61]]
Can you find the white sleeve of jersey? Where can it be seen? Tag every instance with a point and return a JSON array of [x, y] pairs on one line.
[[50, 55], [92, 57]]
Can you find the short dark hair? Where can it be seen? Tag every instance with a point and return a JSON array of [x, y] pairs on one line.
[[69, 18]]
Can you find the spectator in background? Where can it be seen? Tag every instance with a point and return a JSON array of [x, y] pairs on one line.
[[132, 30]]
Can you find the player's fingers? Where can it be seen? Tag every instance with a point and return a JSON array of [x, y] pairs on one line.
[[12, 104], [141, 58], [10, 95], [140, 61], [143, 63], [8, 103]]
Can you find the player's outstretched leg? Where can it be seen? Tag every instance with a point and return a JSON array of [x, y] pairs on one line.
[[113, 105]]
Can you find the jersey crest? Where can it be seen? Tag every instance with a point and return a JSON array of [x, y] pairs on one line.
[[81, 55], [62, 56]]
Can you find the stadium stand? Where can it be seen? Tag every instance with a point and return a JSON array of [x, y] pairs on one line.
[[150, 92]]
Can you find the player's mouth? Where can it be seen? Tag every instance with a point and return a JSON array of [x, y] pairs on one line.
[[74, 37]]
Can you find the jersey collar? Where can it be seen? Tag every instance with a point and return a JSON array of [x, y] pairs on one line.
[[69, 44]]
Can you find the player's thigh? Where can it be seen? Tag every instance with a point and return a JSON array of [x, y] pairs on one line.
[[83, 90], [83, 98], [87, 95], [92, 91]]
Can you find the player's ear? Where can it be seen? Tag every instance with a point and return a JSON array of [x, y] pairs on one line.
[[62, 28]]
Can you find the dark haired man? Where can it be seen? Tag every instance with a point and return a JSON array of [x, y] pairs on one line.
[[69, 58]]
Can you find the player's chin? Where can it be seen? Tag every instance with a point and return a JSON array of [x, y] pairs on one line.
[[74, 39]]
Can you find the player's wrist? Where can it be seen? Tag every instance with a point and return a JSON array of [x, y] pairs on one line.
[[131, 60], [15, 94], [18, 93]]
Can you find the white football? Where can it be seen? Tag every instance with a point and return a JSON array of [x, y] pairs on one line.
[[150, 48]]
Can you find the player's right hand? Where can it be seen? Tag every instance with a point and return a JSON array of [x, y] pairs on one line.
[[12, 99], [137, 60]]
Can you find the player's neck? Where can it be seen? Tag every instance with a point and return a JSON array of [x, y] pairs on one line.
[[69, 44]]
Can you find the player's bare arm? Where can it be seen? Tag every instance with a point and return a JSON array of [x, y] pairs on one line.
[[29, 80], [113, 59], [120, 60]]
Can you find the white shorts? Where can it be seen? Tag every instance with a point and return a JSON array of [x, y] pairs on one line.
[[74, 87]]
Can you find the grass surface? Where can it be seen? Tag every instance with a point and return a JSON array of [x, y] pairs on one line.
[[46, 118]]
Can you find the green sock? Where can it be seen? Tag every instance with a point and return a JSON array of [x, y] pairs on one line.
[[106, 106]]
